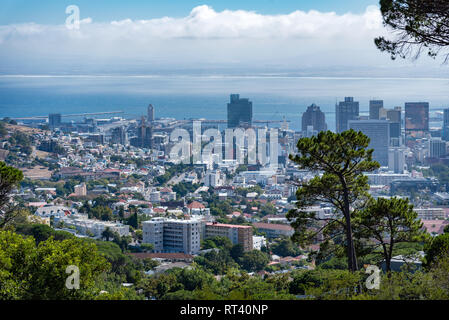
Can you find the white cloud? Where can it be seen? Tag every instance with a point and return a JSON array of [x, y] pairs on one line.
[[205, 36]]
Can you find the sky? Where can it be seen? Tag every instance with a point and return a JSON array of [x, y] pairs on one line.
[[52, 11], [312, 38]]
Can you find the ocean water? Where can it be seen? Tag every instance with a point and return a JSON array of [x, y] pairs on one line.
[[184, 97]]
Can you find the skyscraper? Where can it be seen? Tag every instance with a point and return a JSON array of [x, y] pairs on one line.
[[240, 112], [396, 159], [437, 148], [416, 117], [314, 117], [144, 137], [395, 119], [374, 108], [394, 115], [150, 113], [379, 133], [118, 136], [345, 111], [445, 133], [54, 120]]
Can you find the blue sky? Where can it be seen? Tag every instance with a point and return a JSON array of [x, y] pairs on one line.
[[146, 37], [53, 12]]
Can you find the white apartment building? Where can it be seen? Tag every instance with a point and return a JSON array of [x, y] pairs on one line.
[[173, 235], [155, 196], [91, 227], [48, 211], [259, 242], [213, 179], [384, 179], [430, 213], [396, 159]]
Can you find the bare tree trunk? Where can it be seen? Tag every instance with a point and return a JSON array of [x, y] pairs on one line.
[[352, 259]]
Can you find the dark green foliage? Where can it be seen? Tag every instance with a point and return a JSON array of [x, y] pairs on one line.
[[419, 26], [42, 232], [133, 220], [437, 248], [33, 272], [237, 252], [9, 179], [343, 159], [254, 261], [217, 261], [286, 247], [183, 188], [389, 222], [101, 212]]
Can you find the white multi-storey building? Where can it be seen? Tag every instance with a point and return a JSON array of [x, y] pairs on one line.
[[430, 213], [172, 235], [213, 179], [90, 227], [385, 179], [396, 159]]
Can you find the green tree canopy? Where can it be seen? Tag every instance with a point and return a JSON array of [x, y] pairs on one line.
[[33, 272], [9, 179], [418, 25], [253, 261], [342, 158], [389, 222]]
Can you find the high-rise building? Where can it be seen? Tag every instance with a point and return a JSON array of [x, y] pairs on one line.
[[144, 137], [446, 117], [238, 234], [374, 108], [314, 117], [416, 117], [437, 148], [396, 159], [173, 235], [54, 120], [445, 132], [394, 115], [240, 112], [345, 111], [150, 114], [118, 136], [379, 133]]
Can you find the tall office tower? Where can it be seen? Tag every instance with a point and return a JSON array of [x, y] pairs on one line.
[[172, 235], [395, 133], [445, 133], [379, 133], [345, 111], [314, 117], [396, 159], [144, 137], [54, 120], [374, 108], [240, 112], [416, 117], [118, 136], [437, 148], [394, 115], [150, 113]]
